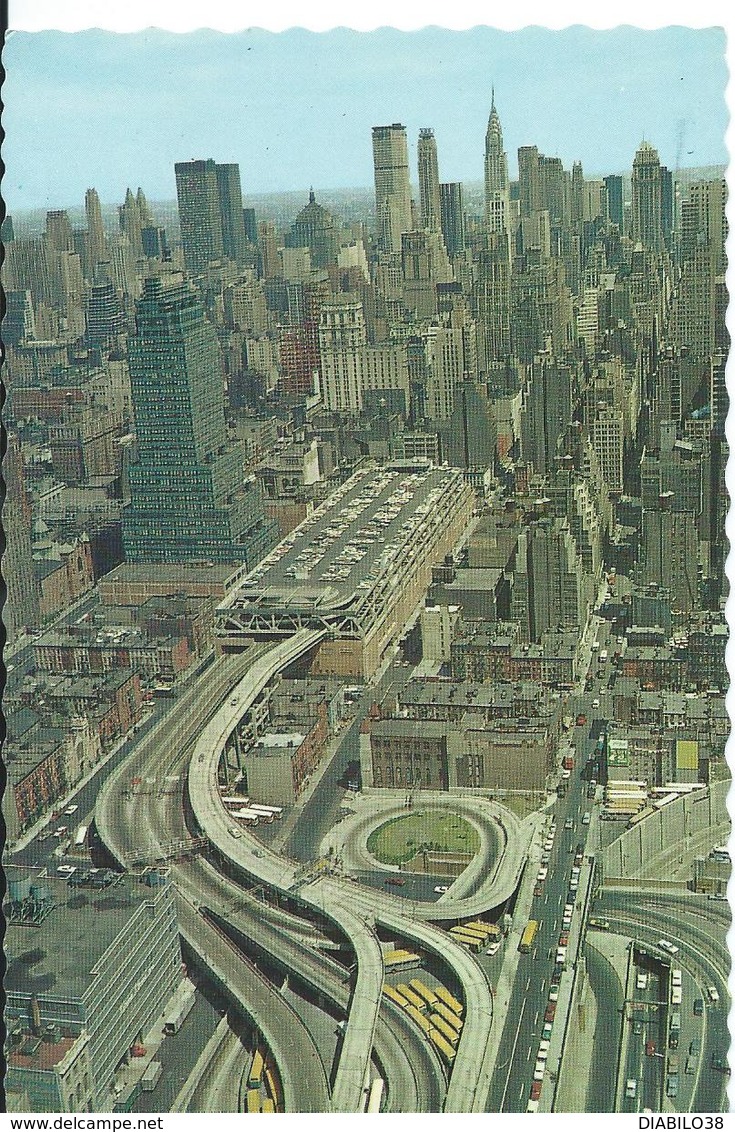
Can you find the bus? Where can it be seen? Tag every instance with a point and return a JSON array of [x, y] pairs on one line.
[[491, 930], [253, 1102], [375, 1098], [268, 1105], [81, 837], [411, 997], [444, 1028], [234, 800], [442, 1045], [529, 935], [423, 991], [470, 941], [263, 815], [247, 815], [256, 1070], [401, 959], [448, 1015], [273, 1088], [274, 811], [449, 1000], [421, 1021], [476, 933], [395, 996], [641, 816]]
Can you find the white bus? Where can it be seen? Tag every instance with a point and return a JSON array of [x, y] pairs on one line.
[[80, 839]]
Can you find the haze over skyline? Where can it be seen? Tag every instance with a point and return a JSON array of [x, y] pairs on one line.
[[91, 95]]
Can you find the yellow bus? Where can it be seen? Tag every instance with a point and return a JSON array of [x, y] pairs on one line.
[[256, 1070], [273, 1088], [476, 932], [395, 996], [411, 996], [253, 1100], [448, 998], [489, 929], [423, 991], [400, 959], [529, 935], [448, 1015], [443, 1046], [444, 1028], [470, 941], [420, 1019], [268, 1105]]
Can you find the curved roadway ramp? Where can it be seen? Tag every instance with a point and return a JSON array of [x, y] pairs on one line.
[[353, 909], [127, 829], [289, 1040]]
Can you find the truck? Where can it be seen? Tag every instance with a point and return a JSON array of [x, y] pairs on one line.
[[178, 1013], [151, 1077]]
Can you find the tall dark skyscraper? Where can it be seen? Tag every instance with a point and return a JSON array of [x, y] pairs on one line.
[[614, 187], [210, 212], [230, 206], [197, 190], [188, 498], [452, 216]]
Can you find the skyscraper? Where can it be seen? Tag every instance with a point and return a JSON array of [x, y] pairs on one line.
[[614, 187], [197, 190], [646, 215], [392, 185], [188, 497], [497, 189], [429, 181], [452, 216], [230, 207], [95, 230], [529, 179]]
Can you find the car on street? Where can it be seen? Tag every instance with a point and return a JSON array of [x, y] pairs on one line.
[[641, 980], [581, 720], [493, 949], [547, 1029], [542, 873], [586, 818], [637, 1027], [672, 1085], [650, 1049], [699, 1006], [539, 1070], [714, 994], [70, 810], [569, 824], [441, 888], [550, 1012], [595, 703], [61, 831], [666, 945], [631, 1088], [554, 992], [45, 835], [564, 939], [538, 890], [535, 1090], [398, 882], [66, 870]]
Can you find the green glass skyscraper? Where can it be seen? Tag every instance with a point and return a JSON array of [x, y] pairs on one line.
[[189, 501]]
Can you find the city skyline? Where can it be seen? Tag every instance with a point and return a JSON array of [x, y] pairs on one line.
[[337, 92]]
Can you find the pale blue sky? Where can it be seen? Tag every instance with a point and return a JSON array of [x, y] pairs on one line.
[[295, 108]]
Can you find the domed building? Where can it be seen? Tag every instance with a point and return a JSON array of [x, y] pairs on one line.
[[314, 228]]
